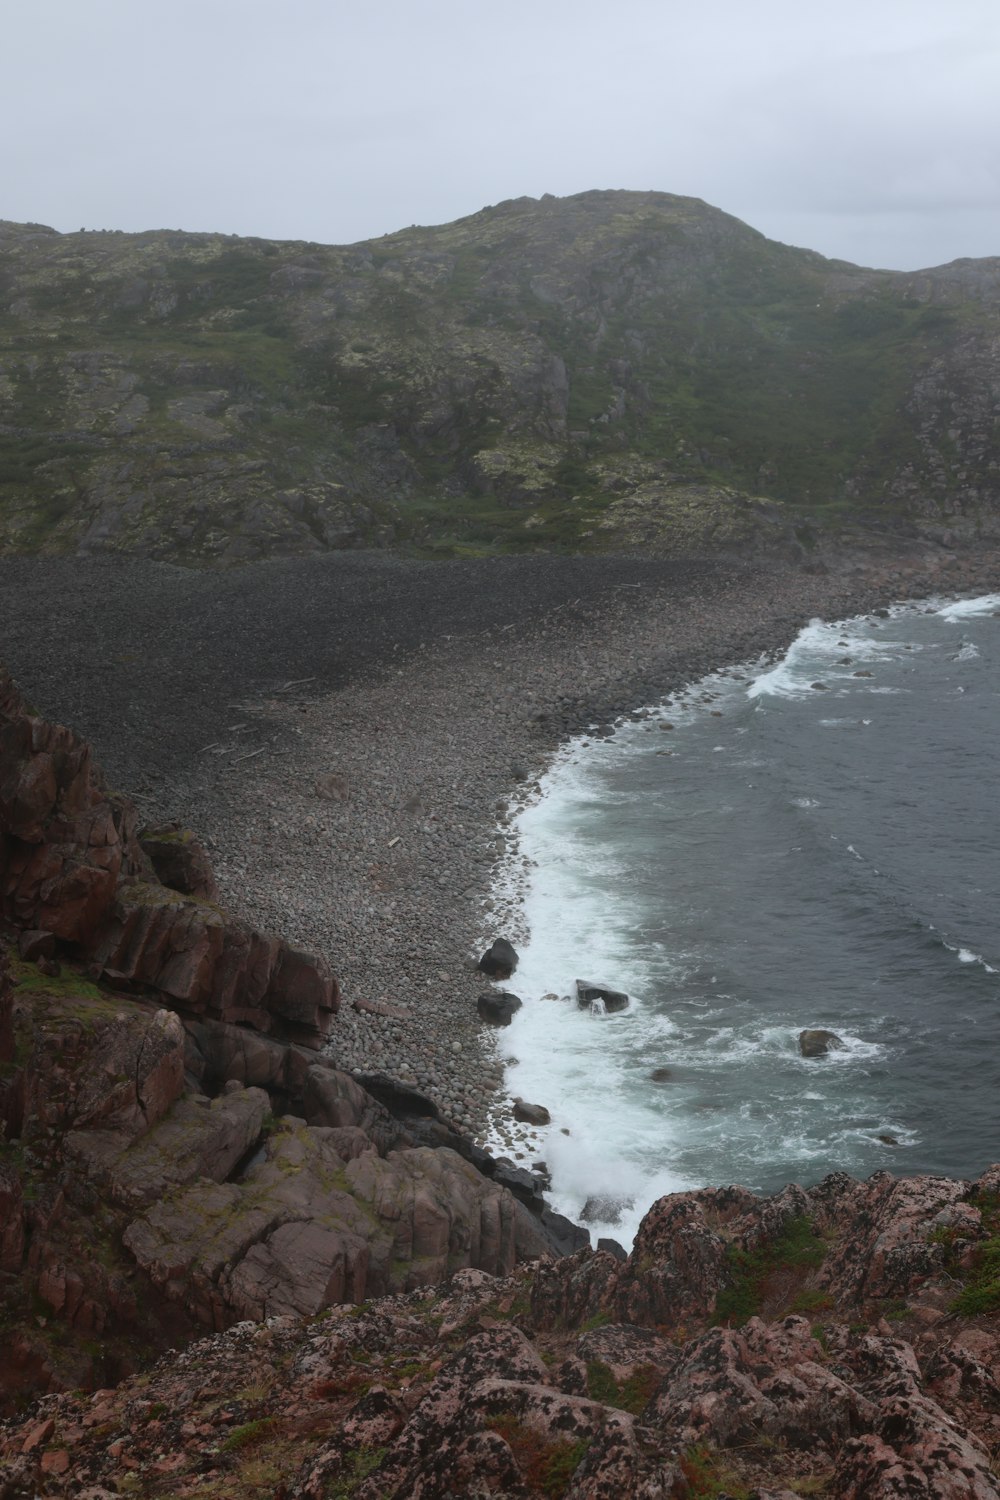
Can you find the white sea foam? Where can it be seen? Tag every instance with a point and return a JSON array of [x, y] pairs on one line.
[[832, 653], [967, 956], [965, 609]]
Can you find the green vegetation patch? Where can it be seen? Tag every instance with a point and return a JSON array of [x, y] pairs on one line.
[[546, 1466], [981, 1293], [754, 1273], [248, 1435], [631, 1395], [708, 1478], [29, 980], [357, 1469]]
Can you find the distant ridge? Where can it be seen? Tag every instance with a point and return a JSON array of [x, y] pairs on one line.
[[606, 371]]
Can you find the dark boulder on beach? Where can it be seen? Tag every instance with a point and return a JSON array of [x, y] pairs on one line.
[[499, 961], [531, 1114], [818, 1043], [498, 1007], [587, 993]]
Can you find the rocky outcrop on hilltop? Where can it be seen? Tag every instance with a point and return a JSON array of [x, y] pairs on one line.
[[814, 1343], [608, 371]]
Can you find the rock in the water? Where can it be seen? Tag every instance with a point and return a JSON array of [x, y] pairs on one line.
[[500, 960], [818, 1043], [531, 1114], [604, 1209], [498, 1007], [661, 1075], [587, 994]]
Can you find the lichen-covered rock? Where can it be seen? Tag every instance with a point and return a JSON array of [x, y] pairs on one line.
[[887, 1240], [306, 1228], [731, 1387], [199, 1138], [912, 1446], [121, 1063], [624, 1348], [679, 1259]]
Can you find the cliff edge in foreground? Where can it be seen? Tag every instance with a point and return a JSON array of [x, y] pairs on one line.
[[839, 1342]]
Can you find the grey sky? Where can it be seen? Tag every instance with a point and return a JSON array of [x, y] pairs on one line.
[[866, 129]]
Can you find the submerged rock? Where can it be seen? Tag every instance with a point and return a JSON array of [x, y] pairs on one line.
[[602, 1208], [818, 1043], [588, 994]]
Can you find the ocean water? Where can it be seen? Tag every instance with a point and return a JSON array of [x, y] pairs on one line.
[[815, 842]]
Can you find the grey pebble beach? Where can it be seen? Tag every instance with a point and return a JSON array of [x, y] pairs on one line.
[[351, 736]]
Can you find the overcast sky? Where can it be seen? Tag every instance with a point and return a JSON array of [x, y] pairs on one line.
[[866, 129]]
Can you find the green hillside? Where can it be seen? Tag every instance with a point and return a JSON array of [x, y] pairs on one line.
[[610, 370]]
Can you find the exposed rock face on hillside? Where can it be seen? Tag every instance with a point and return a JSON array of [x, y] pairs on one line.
[[136, 1208], [72, 865], [174, 1153], [608, 370]]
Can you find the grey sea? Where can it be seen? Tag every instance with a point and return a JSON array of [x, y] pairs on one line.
[[805, 843]]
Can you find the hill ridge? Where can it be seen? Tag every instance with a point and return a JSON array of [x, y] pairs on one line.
[[615, 370]]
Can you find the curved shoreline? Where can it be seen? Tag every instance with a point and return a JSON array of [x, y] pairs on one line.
[[364, 817]]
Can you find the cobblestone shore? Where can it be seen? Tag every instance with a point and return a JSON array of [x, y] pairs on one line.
[[353, 736]]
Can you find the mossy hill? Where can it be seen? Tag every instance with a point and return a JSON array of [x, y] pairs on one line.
[[610, 370]]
